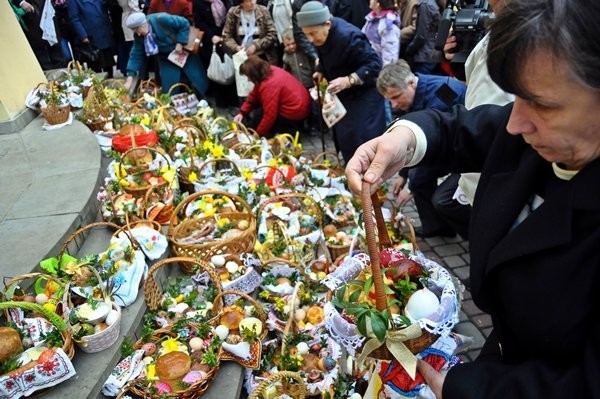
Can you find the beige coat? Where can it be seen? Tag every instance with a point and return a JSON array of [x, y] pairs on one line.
[[408, 15], [128, 6]]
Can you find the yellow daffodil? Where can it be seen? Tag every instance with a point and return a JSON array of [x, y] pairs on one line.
[[172, 345], [209, 200], [168, 173], [273, 162], [209, 212], [252, 185], [179, 298], [145, 120], [247, 173], [258, 246], [208, 145], [120, 172], [193, 177], [222, 222], [218, 151], [72, 268], [151, 372], [234, 125]]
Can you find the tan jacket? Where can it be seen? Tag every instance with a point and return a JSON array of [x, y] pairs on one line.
[[265, 38], [408, 15]]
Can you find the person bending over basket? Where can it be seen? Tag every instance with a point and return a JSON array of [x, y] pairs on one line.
[[535, 223]]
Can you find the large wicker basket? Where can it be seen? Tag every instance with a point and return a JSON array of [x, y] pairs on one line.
[[141, 167], [153, 290], [143, 389], [371, 204], [181, 226]]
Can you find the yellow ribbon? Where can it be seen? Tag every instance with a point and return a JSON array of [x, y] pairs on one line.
[[394, 341]]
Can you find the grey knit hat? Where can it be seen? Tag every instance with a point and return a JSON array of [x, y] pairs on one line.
[[313, 13], [135, 20]]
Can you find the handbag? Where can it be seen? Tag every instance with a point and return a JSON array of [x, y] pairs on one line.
[[86, 53], [194, 38], [220, 70]]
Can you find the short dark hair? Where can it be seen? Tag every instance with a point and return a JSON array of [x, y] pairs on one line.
[[564, 29], [255, 69], [387, 4]]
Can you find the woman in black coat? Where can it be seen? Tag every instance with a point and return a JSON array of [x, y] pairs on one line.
[[535, 223], [351, 66]]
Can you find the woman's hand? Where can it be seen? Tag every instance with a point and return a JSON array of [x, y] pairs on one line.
[[238, 118], [216, 39], [179, 48], [317, 76], [339, 84], [27, 7], [450, 47], [251, 50], [381, 158], [433, 378]]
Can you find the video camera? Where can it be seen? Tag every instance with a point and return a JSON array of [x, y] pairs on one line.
[[469, 19]]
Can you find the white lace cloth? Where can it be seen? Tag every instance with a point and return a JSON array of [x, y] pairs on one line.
[[440, 322]]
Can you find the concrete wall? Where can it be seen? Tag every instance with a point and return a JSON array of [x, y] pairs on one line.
[[19, 69]]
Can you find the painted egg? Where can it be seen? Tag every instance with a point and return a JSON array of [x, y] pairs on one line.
[[196, 343], [194, 376], [329, 363], [112, 317], [162, 388], [421, 304], [149, 348]]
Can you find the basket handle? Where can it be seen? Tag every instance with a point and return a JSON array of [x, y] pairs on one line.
[[291, 321], [83, 229], [286, 262], [370, 203], [55, 319], [152, 292], [324, 155], [134, 148], [301, 197], [277, 377], [215, 160]]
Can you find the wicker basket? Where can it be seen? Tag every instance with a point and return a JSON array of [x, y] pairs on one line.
[[181, 226], [256, 346], [80, 232], [141, 167], [153, 290], [283, 382], [371, 204], [52, 317], [323, 158], [143, 389], [56, 114]]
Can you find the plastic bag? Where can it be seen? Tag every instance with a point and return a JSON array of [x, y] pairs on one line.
[[243, 85], [221, 71]]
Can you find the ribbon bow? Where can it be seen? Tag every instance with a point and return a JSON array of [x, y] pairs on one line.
[[394, 341]]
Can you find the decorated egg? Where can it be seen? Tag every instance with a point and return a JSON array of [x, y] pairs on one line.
[[194, 376], [222, 331], [196, 343], [149, 348], [112, 317], [303, 348], [421, 304], [328, 363], [163, 388]]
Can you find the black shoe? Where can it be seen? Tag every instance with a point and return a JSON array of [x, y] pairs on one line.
[[437, 233]]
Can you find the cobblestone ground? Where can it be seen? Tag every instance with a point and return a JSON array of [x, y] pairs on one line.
[[453, 253]]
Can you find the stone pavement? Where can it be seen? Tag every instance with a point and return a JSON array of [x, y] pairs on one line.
[[453, 253]]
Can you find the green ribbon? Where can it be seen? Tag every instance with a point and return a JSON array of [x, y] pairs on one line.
[[394, 341]]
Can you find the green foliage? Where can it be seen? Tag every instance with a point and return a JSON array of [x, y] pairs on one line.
[[9, 364], [405, 288], [127, 347], [53, 338], [249, 335]]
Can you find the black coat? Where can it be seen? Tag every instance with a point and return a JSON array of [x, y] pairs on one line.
[[540, 281], [347, 50]]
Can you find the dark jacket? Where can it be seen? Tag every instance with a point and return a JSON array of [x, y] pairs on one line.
[[431, 92], [421, 46], [345, 51], [538, 280], [353, 11], [299, 65], [89, 19], [299, 35]]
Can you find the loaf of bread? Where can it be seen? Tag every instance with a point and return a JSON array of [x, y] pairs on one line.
[[10, 342]]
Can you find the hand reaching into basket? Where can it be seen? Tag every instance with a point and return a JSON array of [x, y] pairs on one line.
[[381, 158], [434, 379]]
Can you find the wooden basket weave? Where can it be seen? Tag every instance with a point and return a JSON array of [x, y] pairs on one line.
[[141, 191], [371, 205], [143, 389], [284, 382], [153, 290], [180, 227], [56, 114]]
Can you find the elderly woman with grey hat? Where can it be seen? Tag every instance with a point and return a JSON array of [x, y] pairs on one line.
[[159, 34], [351, 66]]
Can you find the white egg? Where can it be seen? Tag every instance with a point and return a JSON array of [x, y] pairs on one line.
[[421, 304], [112, 317], [181, 307], [300, 315], [196, 343], [218, 260], [251, 323], [222, 331], [303, 348], [231, 267], [41, 299]]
